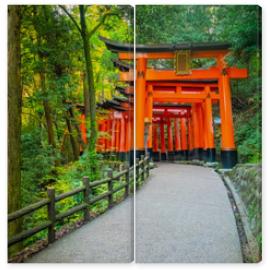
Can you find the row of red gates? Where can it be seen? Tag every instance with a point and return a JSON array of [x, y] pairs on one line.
[[173, 107]]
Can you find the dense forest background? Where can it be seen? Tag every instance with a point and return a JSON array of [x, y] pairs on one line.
[[54, 78], [236, 24]]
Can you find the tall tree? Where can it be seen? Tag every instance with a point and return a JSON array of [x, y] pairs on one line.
[[14, 113], [90, 80], [42, 75], [90, 95]]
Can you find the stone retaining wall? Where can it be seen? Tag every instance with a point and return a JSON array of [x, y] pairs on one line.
[[247, 182]]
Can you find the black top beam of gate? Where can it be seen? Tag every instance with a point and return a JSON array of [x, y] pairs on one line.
[[122, 91], [123, 66], [193, 46]]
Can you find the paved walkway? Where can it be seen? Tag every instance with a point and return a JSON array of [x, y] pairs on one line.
[[107, 239], [184, 215]]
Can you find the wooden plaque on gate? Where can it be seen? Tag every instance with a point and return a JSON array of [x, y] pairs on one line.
[[182, 62]]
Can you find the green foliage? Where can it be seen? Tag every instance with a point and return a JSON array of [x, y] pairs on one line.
[[173, 24], [51, 45], [68, 178], [37, 161], [244, 33], [248, 136]]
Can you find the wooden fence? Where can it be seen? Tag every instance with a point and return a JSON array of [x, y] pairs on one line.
[[142, 171]]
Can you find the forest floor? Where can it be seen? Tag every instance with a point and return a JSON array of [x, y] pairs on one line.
[[183, 214]]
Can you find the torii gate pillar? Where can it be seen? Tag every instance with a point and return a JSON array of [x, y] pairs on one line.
[[201, 129], [196, 152], [140, 104], [155, 143], [162, 141], [170, 140], [148, 121], [177, 152], [184, 143], [129, 139], [228, 149], [117, 137], [114, 131], [190, 138], [122, 137], [210, 142], [109, 140]]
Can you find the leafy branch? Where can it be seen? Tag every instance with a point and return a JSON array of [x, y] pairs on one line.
[[71, 17], [98, 25], [102, 21]]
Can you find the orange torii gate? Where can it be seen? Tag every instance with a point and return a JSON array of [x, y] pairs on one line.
[[183, 54], [115, 125], [194, 93], [203, 92], [116, 129], [172, 116]]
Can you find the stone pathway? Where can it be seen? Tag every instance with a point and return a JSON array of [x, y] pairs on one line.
[[184, 215], [107, 239]]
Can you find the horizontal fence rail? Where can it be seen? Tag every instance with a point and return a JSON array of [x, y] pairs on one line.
[[123, 178]]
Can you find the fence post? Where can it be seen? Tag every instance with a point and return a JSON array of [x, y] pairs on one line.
[[137, 178], [127, 180], [51, 214], [143, 167], [86, 195], [110, 188], [122, 167]]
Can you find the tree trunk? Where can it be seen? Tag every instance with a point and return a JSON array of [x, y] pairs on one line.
[[14, 115], [48, 114], [74, 144], [90, 81], [76, 126], [86, 97], [46, 104], [47, 111]]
